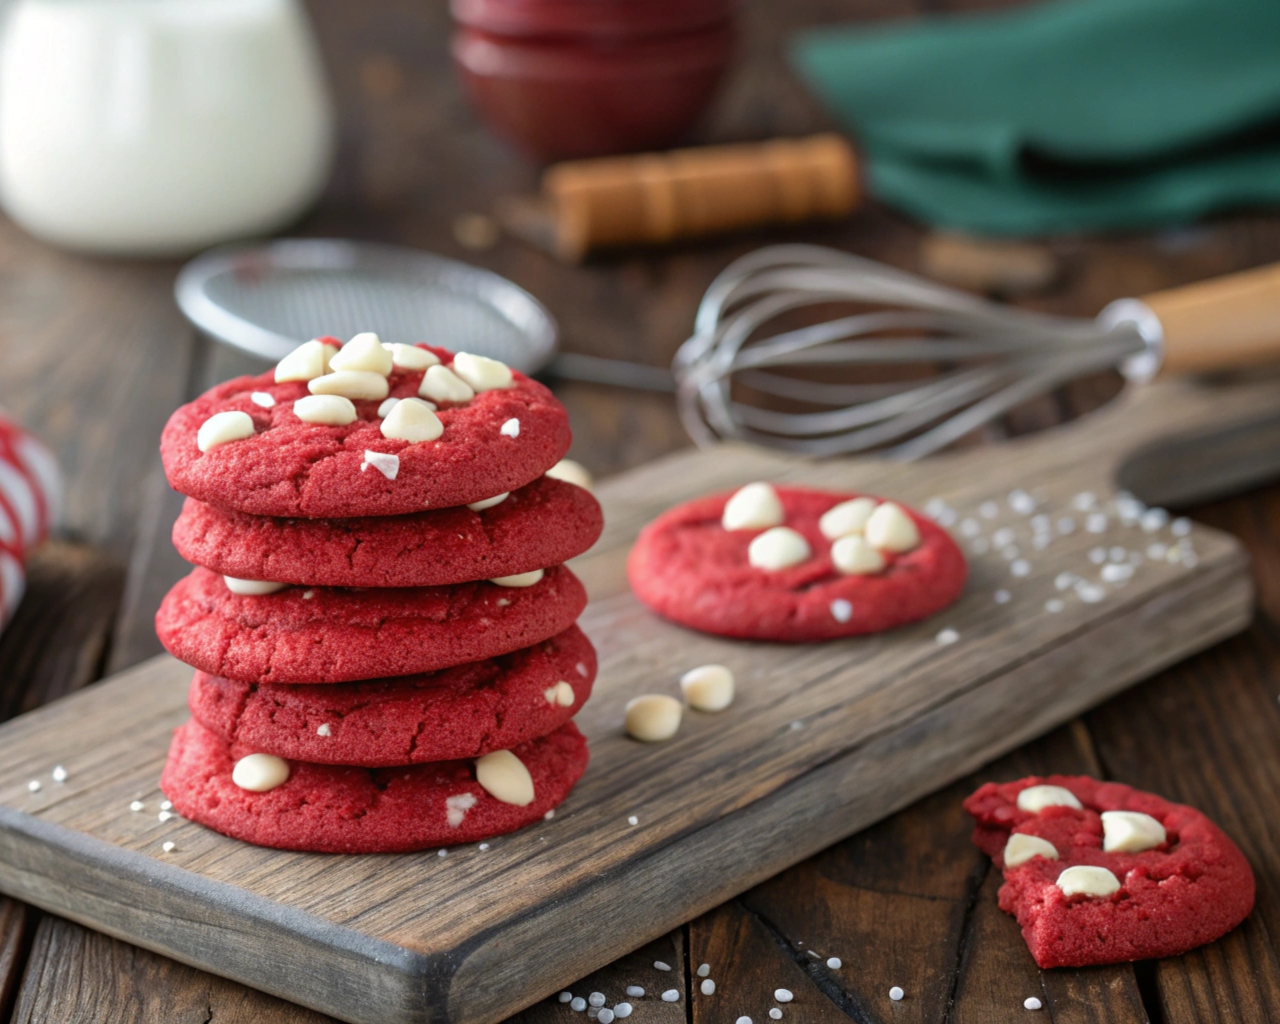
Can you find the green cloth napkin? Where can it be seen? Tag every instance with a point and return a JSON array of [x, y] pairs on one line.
[[1065, 116]]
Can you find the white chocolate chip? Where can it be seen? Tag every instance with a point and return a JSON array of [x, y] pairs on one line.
[[262, 399], [511, 428], [306, 362], [783, 995], [505, 778], [622, 1010], [708, 687], [482, 373], [456, 807], [327, 410], [653, 717], [410, 357], [1021, 848], [853, 556], [571, 473], [386, 464], [222, 428], [550, 694], [841, 610], [259, 773], [889, 528], [252, 588], [497, 499], [1087, 880], [384, 410], [564, 694], [59, 774], [708, 987], [412, 421], [778, 548], [440, 384], [363, 352], [1130, 832], [520, 579], [704, 970], [169, 847], [896, 994], [848, 518], [360, 384], [754, 507], [671, 995], [323, 729], [1036, 798]]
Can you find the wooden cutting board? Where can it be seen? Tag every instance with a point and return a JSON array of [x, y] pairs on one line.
[[822, 741]]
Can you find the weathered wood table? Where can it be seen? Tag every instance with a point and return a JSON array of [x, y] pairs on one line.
[[93, 356]]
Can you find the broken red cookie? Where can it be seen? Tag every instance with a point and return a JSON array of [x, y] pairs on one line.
[[1100, 873]]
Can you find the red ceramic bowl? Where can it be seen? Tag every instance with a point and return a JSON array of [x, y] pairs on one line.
[[608, 19], [561, 99]]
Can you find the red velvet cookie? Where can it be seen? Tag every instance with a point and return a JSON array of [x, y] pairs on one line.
[[1178, 888], [335, 809], [459, 712], [543, 523], [497, 441], [328, 635], [690, 569]]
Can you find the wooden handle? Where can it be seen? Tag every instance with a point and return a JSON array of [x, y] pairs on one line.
[[687, 193], [1221, 324]]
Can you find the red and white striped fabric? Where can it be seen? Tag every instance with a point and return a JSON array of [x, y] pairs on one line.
[[30, 506]]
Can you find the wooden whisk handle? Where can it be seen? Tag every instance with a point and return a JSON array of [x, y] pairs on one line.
[[1221, 324], [662, 197]]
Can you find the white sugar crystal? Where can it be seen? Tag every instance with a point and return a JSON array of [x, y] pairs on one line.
[[1065, 580], [442, 852], [1089, 593], [1041, 523], [1066, 525], [1084, 501], [1153, 519], [605, 1016], [482, 847], [1113, 573], [1118, 554], [947, 517], [775, 1013], [1010, 553], [33, 786], [1003, 537], [1021, 502], [947, 636], [164, 815], [934, 507], [1157, 551], [549, 815], [744, 1019]]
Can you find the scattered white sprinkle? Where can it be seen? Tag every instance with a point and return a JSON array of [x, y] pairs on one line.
[[622, 1010], [1084, 501], [482, 847], [605, 1016], [263, 399], [970, 527], [947, 636], [549, 815], [841, 610], [384, 462], [1096, 522], [980, 546], [511, 428], [671, 995], [442, 852], [1032, 1003], [1053, 606], [1066, 525], [704, 970], [1020, 567], [1089, 593], [164, 815], [635, 991], [137, 806], [1003, 537], [1065, 580], [323, 729], [1180, 527], [658, 965], [169, 847], [835, 963], [33, 786], [896, 994], [595, 999], [743, 1020], [1021, 502], [565, 996], [988, 510], [633, 820], [1113, 573], [59, 774], [783, 995], [1153, 519], [1002, 597], [578, 1004], [708, 987], [307, 595], [775, 1013]]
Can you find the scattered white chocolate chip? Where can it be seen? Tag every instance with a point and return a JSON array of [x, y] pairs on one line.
[[896, 994], [252, 588], [846, 519], [410, 357], [853, 556], [169, 847], [841, 610], [456, 807], [778, 548], [222, 428], [783, 995], [259, 773], [59, 774], [384, 410], [596, 999], [565, 996], [520, 579], [164, 816], [653, 717], [774, 1014], [511, 428], [744, 1019], [361, 384], [578, 1004], [571, 473], [324, 729], [136, 806], [708, 688], [497, 499], [564, 695], [671, 995], [363, 352], [482, 373], [1021, 848], [622, 1010], [633, 820], [1031, 1003], [1087, 880], [1035, 799], [262, 400], [327, 410], [704, 970], [504, 777], [411, 421], [166, 805], [889, 528], [33, 786], [946, 637], [635, 991], [440, 384], [306, 362], [307, 595], [605, 1016], [659, 965], [385, 463], [1130, 832], [708, 987], [834, 963], [482, 847], [550, 694], [754, 507]]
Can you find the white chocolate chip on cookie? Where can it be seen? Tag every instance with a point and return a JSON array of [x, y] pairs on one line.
[[754, 507], [361, 384], [384, 462], [520, 579], [252, 588], [571, 473], [653, 717], [259, 773], [847, 518], [708, 687], [1021, 848], [440, 384], [511, 428], [1130, 832], [564, 694], [778, 548], [504, 777], [222, 428], [482, 373], [1087, 880], [327, 410], [412, 421], [410, 357], [363, 352], [1035, 799], [263, 399], [306, 362], [853, 556], [891, 529], [497, 499]]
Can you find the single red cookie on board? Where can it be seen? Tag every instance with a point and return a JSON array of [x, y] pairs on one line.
[[497, 441], [335, 809], [1180, 882], [336, 635], [459, 712], [690, 569], [543, 523]]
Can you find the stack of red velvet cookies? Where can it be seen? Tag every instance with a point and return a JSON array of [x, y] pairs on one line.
[[382, 630]]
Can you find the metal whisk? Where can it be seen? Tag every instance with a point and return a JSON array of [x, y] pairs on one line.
[[990, 357]]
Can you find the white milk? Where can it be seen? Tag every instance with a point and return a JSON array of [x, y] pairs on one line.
[[153, 127]]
